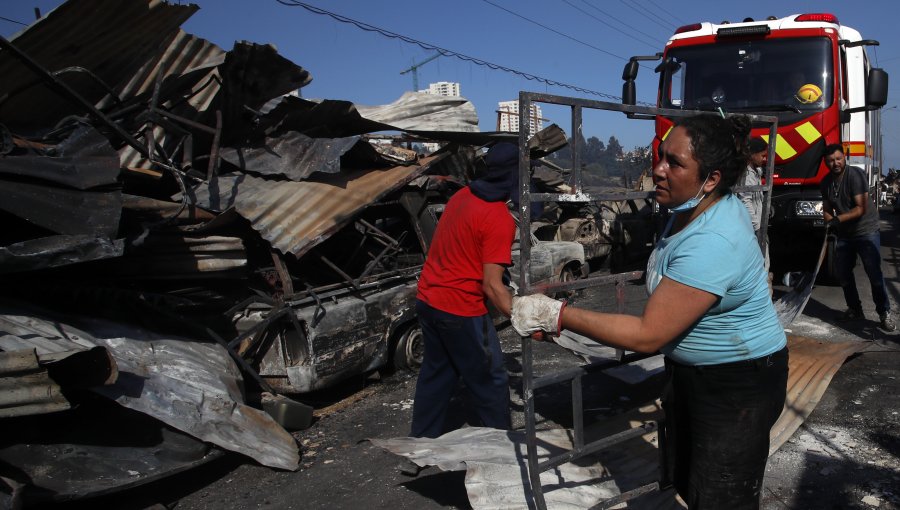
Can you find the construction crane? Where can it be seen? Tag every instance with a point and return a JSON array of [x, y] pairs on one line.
[[415, 70]]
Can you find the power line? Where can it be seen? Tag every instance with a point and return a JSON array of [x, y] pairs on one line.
[[668, 13], [655, 44], [557, 32], [634, 7], [445, 52], [13, 21]]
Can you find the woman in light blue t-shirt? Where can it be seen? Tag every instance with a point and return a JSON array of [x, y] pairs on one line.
[[709, 312]]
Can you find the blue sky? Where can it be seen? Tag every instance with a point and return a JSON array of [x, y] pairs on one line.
[[583, 43]]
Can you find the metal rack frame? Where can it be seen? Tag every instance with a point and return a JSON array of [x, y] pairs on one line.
[[529, 383]]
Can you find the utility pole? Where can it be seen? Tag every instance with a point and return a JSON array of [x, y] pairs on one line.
[[415, 70]]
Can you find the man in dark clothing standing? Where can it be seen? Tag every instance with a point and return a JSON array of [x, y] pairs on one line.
[[465, 265], [853, 217]]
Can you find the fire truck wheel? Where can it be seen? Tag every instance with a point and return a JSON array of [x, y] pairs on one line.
[[409, 349]]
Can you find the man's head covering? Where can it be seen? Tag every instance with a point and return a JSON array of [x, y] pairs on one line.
[[757, 145], [497, 183]]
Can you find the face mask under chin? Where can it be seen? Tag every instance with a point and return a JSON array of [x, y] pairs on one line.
[[692, 202]]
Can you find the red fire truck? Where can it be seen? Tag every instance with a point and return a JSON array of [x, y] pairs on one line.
[[810, 72]]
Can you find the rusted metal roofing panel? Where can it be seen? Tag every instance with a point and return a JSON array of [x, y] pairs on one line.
[[811, 365], [26, 387], [174, 255], [194, 62], [184, 54], [296, 216], [132, 31]]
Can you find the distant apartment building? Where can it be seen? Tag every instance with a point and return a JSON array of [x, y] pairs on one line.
[[508, 117], [443, 88]]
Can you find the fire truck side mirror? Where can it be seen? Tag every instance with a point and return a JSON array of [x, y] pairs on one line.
[[631, 70], [629, 96], [877, 88]]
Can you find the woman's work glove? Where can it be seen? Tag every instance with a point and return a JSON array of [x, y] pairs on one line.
[[537, 312]]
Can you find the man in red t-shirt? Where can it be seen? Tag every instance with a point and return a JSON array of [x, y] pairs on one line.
[[465, 264]]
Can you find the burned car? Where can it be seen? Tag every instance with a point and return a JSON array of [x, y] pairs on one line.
[[357, 313], [367, 321]]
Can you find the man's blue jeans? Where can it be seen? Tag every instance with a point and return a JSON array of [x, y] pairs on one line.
[[457, 348], [868, 248]]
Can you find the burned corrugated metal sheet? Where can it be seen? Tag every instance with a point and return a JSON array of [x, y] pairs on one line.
[[56, 251], [68, 188], [295, 216], [151, 210], [94, 449], [177, 256], [243, 79], [192, 386], [111, 38], [61, 210], [188, 65], [327, 118], [26, 387], [82, 161], [415, 111], [422, 114], [811, 365], [184, 62], [297, 156], [252, 74], [32, 383]]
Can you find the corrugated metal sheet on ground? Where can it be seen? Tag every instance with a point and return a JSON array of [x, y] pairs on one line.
[[132, 30], [190, 385], [496, 474], [811, 365], [296, 216]]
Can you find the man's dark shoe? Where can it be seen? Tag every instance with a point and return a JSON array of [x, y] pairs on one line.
[[409, 468], [887, 323], [851, 314]]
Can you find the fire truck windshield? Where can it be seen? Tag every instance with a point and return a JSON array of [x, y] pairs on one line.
[[771, 76]]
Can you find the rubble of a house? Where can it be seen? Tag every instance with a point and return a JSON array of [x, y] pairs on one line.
[[170, 208]]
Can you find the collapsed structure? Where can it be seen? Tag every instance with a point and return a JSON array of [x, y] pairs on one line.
[[177, 221]]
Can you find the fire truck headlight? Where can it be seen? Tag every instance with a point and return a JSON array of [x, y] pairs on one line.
[[808, 209]]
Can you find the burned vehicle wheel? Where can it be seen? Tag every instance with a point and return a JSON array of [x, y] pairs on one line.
[[409, 349], [566, 275]]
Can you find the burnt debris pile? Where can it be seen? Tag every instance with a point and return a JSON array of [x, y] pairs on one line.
[[186, 239]]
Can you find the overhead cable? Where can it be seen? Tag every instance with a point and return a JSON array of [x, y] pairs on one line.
[[443, 51], [13, 21], [635, 7], [668, 13], [557, 32], [654, 44]]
